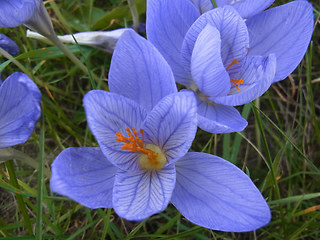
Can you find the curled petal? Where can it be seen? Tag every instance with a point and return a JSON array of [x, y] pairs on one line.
[[137, 196], [109, 113], [215, 194], [285, 31], [19, 109], [85, 175], [257, 73], [167, 23], [139, 72], [172, 124]]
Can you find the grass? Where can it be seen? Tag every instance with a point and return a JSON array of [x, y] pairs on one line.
[[280, 149]]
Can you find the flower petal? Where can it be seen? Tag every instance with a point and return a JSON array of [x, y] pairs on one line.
[[172, 124], [215, 194], [167, 23], [209, 74], [137, 196], [246, 8], [285, 31], [16, 12], [233, 33], [216, 118], [139, 72], [108, 113], [19, 109], [203, 5], [85, 175], [9, 45], [257, 73]]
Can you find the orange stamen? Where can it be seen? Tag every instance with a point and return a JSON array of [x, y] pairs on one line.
[[235, 61], [134, 144], [237, 83]]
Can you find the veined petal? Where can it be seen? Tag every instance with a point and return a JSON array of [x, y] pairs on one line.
[[285, 31], [203, 5], [109, 113], [9, 45], [257, 73], [208, 71], [19, 109], [246, 8], [139, 72], [172, 124], [167, 23], [216, 118], [215, 194], [16, 12], [137, 196], [85, 175], [233, 33]]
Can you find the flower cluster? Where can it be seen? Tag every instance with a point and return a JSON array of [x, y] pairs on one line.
[[224, 56]]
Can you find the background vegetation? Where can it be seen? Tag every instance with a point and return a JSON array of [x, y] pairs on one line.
[[280, 149]]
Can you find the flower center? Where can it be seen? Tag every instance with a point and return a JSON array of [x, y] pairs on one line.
[[151, 157], [235, 82]]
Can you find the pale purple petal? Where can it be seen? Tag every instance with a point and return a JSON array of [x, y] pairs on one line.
[[9, 45], [208, 71], [85, 175], [213, 193], [108, 113], [285, 31], [233, 33], [246, 8], [19, 109], [203, 5], [167, 23], [139, 195], [139, 72], [172, 124], [257, 73], [216, 118]]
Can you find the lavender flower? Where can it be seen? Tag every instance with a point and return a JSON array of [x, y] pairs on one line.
[[226, 60], [19, 109], [144, 129], [9, 45]]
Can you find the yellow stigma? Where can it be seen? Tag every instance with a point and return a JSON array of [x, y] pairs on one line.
[[235, 82], [151, 157]]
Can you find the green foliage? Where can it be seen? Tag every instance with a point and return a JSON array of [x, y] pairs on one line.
[[280, 148]]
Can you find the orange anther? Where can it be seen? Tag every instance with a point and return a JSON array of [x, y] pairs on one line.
[[237, 83], [235, 61]]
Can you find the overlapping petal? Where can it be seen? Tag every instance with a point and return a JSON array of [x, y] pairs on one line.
[[85, 175], [19, 109], [213, 193], [284, 30], [9, 45], [139, 72], [216, 118], [167, 23], [16, 12], [258, 73], [108, 113], [203, 5], [172, 124], [138, 195], [208, 71], [233, 33], [246, 8]]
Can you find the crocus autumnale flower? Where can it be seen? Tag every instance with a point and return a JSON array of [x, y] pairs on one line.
[[9, 45], [226, 60], [19, 109], [142, 163], [246, 8], [31, 13]]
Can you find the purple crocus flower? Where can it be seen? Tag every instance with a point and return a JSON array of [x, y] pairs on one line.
[[144, 128], [31, 13], [226, 60], [9, 45], [19, 109]]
